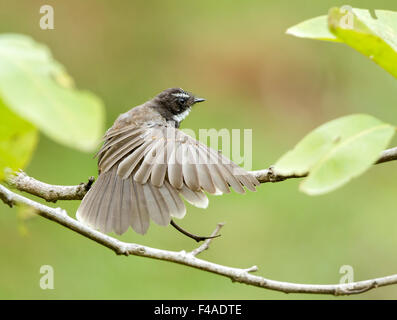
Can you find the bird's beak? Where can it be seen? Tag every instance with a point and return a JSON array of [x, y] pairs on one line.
[[196, 100]]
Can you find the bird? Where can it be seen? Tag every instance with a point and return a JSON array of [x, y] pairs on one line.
[[146, 164]]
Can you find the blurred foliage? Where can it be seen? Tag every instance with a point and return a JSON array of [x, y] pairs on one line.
[[39, 90], [237, 56], [18, 139], [336, 152], [375, 37]]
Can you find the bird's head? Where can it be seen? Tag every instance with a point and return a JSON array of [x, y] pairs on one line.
[[177, 103]]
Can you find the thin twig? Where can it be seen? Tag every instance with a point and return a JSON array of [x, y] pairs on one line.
[[191, 235], [207, 242]]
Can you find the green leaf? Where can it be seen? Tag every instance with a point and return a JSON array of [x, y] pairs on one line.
[[38, 89], [374, 38], [315, 28], [18, 139], [336, 152]]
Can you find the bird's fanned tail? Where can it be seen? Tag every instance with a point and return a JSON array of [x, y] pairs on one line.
[[113, 204]]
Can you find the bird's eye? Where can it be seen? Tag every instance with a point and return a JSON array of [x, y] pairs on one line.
[[182, 100]]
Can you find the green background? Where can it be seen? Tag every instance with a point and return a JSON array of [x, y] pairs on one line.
[[237, 56]]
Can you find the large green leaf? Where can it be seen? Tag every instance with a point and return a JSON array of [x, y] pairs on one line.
[[375, 38], [335, 152], [38, 89], [18, 139]]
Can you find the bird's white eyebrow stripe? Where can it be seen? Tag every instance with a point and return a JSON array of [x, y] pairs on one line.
[[183, 95]]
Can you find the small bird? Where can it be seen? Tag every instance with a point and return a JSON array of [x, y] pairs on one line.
[[146, 164]]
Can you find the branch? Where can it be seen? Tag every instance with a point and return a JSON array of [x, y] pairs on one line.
[[271, 175], [207, 242], [189, 259], [51, 193], [388, 155]]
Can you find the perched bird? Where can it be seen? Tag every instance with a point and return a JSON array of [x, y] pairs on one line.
[[146, 164]]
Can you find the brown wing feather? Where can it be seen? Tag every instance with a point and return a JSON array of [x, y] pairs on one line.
[[145, 170]]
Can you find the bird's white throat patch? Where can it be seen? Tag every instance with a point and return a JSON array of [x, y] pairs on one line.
[[182, 115]]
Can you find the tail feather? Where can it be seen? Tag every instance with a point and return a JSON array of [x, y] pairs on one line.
[[140, 214], [103, 220], [88, 209], [125, 209], [116, 213], [158, 209], [114, 204], [196, 198], [175, 204]]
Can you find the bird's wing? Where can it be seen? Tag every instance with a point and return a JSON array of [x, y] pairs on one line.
[[143, 172], [160, 153]]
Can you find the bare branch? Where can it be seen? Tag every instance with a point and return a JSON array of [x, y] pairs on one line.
[[207, 242], [191, 235], [51, 193], [188, 259], [271, 175], [388, 155]]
